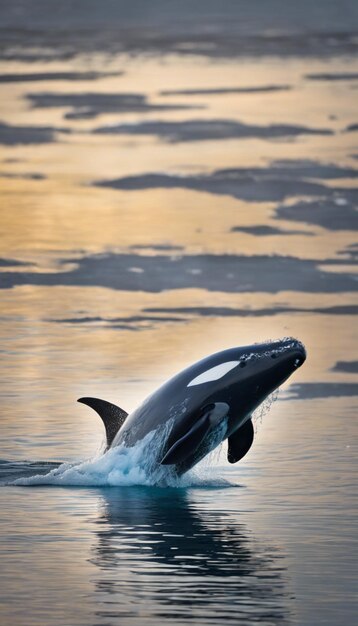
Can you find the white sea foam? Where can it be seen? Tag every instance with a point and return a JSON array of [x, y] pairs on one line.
[[122, 467]]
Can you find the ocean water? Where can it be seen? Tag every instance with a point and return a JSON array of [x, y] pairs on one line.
[[174, 181]]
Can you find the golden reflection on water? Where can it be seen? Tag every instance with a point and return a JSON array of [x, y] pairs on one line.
[[63, 212], [55, 216], [64, 217]]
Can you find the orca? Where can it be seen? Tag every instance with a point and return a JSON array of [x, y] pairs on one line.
[[206, 403]]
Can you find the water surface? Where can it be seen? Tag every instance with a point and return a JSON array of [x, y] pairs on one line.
[[175, 182]]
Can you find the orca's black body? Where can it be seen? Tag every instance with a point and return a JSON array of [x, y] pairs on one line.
[[206, 403]]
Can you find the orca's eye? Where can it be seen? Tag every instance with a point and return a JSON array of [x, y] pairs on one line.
[[242, 364]]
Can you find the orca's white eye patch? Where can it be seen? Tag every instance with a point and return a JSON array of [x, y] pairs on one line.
[[214, 373]]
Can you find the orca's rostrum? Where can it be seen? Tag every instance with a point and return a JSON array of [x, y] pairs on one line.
[[206, 403]]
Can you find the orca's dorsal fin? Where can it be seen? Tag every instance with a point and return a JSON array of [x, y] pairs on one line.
[[240, 442], [112, 416]]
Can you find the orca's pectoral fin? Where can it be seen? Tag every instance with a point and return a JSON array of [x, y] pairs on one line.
[[211, 416], [240, 442], [112, 416]]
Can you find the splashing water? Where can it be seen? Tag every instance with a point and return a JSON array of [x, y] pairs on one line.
[[138, 465], [122, 466], [263, 409]]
